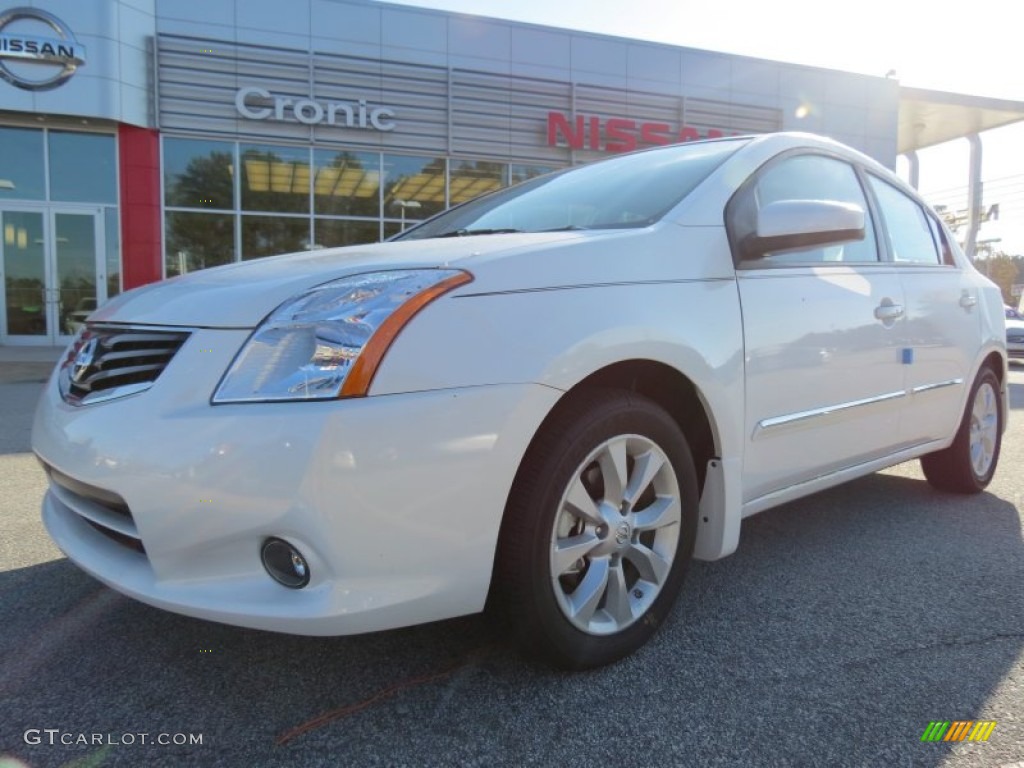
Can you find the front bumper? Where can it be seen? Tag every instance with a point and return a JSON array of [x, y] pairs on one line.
[[395, 500]]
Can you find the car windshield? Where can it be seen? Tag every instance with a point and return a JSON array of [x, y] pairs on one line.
[[623, 192]]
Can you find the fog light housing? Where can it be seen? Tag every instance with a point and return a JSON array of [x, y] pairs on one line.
[[285, 563]]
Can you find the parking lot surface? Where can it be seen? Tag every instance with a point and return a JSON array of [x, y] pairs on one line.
[[844, 625]]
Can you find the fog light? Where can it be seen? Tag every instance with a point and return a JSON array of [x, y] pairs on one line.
[[285, 563]]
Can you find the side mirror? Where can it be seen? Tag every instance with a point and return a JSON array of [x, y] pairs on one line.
[[790, 225]]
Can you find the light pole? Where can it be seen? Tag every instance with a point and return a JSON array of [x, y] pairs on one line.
[[403, 204]]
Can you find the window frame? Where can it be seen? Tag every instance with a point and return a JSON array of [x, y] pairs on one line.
[[942, 246], [741, 196]]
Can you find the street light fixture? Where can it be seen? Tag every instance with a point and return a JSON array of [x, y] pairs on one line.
[[403, 204]]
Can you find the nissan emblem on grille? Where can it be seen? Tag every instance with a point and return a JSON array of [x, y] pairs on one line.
[[84, 360], [110, 362]]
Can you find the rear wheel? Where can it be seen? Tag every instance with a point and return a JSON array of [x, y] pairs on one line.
[[599, 530], [968, 464]]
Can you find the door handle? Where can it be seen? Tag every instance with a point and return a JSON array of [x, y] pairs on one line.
[[888, 311], [968, 300]]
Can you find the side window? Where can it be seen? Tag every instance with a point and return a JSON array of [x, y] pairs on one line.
[[816, 177], [911, 234], [941, 240]]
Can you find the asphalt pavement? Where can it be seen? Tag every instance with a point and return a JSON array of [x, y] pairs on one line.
[[842, 627]]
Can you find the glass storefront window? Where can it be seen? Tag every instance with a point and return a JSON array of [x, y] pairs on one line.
[[112, 234], [198, 240], [21, 164], [332, 233], [286, 199], [275, 179], [198, 174], [346, 183], [519, 172], [273, 235], [413, 187], [83, 168], [472, 178], [25, 272]]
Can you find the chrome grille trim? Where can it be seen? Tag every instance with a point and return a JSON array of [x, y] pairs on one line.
[[106, 362]]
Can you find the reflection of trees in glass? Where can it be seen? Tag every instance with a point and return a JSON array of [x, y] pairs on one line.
[[199, 240], [331, 233], [347, 183], [519, 172], [205, 183], [273, 235], [25, 313], [413, 180], [472, 178], [275, 181]]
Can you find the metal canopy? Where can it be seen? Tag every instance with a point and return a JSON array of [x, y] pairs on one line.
[[932, 117]]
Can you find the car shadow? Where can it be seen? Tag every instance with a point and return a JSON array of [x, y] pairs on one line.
[[844, 623]]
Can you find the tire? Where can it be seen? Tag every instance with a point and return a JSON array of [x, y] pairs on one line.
[[968, 464], [589, 566]]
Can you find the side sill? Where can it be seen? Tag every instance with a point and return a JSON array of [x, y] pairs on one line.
[[790, 493]]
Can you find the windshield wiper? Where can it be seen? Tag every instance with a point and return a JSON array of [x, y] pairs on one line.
[[468, 232]]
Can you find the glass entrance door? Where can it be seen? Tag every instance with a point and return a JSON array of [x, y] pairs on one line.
[[50, 260]]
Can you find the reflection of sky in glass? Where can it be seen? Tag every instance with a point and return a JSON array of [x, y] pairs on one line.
[[21, 164], [82, 168]]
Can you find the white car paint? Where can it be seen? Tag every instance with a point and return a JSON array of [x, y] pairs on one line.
[[397, 497]]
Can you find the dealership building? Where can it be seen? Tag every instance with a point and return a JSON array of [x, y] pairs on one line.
[[141, 139]]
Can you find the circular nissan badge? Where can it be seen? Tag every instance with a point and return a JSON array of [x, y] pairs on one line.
[[38, 51]]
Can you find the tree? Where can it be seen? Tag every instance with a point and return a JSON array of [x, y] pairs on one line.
[[1004, 271]]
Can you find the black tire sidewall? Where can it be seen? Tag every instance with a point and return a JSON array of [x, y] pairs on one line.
[[986, 377], [577, 433], [951, 469]]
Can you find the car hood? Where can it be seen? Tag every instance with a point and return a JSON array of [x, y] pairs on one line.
[[241, 295]]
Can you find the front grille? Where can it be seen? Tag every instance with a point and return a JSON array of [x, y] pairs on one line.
[[104, 510], [1015, 337], [110, 362]]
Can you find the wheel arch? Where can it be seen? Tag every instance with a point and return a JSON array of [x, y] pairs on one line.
[[669, 388], [996, 360], [682, 398]]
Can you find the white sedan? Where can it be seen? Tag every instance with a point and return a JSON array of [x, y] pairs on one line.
[[548, 400]]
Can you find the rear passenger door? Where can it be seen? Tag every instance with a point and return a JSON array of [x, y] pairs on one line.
[[823, 332], [943, 325]]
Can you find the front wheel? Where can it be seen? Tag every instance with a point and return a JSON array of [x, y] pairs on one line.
[[968, 464], [599, 530]]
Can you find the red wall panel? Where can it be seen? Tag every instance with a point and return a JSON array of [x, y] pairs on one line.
[[141, 246]]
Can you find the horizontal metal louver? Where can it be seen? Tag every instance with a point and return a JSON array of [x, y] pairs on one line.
[[438, 110], [103, 510], [112, 362]]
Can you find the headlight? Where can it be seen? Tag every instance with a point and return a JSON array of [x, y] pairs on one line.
[[328, 342]]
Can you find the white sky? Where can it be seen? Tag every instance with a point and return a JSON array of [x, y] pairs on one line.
[[969, 48]]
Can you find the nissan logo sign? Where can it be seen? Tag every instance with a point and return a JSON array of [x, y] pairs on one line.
[[56, 54]]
